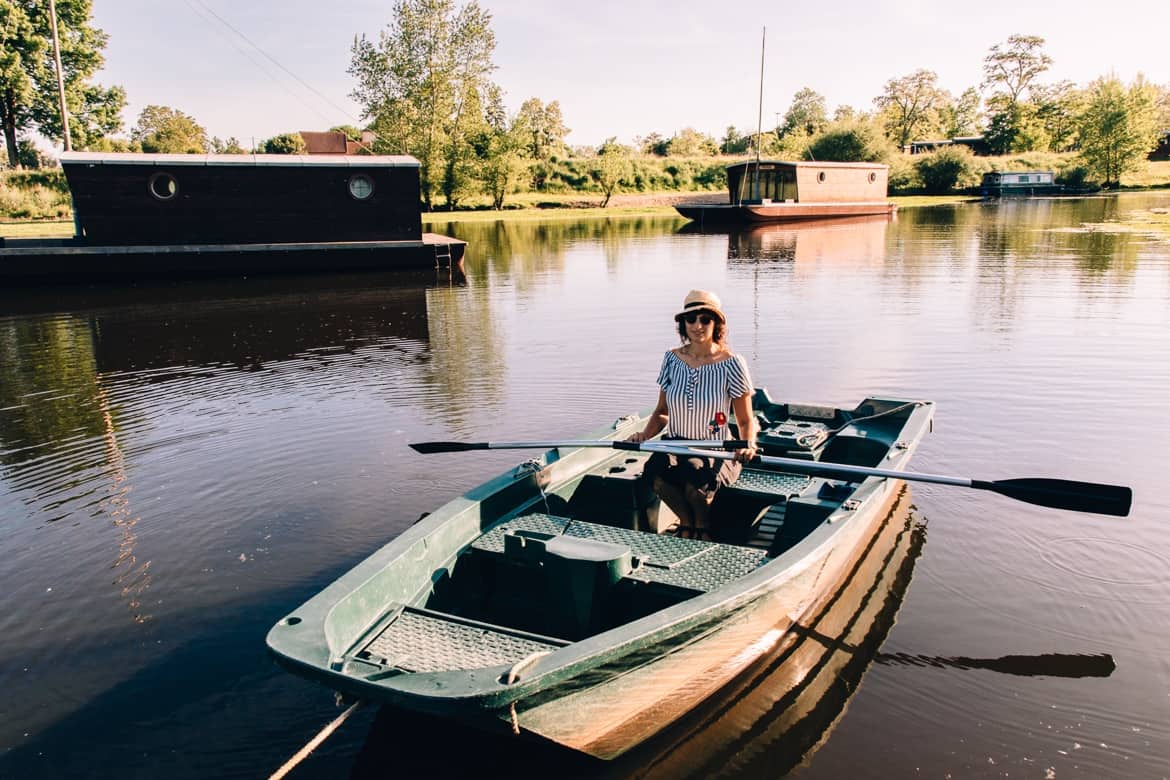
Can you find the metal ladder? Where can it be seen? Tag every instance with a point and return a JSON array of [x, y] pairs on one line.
[[442, 255]]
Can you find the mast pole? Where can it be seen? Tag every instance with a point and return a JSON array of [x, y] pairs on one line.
[[760, 114], [60, 75]]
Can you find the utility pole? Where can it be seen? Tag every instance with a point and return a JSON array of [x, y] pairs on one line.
[[60, 75]]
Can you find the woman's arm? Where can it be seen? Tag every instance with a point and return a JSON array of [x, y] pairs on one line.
[[745, 419], [656, 421]]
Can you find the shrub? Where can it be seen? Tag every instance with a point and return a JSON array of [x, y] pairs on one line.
[[849, 142], [40, 194], [903, 175], [1076, 175], [286, 143], [946, 169]]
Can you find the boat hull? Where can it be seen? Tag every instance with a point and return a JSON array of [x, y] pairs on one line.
[[607, 719], [782, 212], [46, 261]]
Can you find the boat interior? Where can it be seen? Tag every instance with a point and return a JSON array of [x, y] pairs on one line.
[[596, 552]]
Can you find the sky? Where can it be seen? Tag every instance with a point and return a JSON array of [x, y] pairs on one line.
[[253, 69]]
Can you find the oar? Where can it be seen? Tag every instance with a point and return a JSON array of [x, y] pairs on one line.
[[430, 447], [1057, 493]]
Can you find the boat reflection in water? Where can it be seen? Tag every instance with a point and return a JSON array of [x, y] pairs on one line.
[[860, 239], [768, 719]]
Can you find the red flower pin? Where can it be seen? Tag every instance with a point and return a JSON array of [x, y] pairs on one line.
[[720, 419]]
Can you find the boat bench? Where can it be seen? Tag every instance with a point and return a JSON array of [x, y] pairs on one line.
[[769, 484], [739, 507], [571, 578], [693, 564], [423, 640]]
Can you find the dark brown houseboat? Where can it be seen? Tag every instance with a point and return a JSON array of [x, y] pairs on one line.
[[784, 191], [151, 215]]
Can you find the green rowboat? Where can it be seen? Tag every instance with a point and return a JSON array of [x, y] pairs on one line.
[[547, 600]]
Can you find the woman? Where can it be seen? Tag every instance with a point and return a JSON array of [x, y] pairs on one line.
[[700, 383]]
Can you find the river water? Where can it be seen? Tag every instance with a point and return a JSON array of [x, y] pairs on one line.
[[182, 464]]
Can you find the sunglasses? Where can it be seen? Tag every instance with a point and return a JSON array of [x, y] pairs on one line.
[[704, 318]]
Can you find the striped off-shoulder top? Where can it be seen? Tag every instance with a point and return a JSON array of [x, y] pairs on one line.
[[698, 400]]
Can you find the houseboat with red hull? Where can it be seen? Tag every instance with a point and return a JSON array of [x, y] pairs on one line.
[[140, 216], [788, 191]]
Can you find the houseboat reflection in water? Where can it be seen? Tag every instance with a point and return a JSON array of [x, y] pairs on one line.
[[858, 239]]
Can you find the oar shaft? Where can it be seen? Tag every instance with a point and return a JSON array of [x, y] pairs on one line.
[[814, 467], [617, 445], [432, 447]]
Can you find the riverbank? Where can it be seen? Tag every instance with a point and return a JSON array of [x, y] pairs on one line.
[[578, 207]]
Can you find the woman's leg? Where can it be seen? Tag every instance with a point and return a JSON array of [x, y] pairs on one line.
[[673, 496], [699, 503]]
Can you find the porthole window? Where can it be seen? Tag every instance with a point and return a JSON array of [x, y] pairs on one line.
[[821, 176], [872, 177], [361, 186], [163, 186]]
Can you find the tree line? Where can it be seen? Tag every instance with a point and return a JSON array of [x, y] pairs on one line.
[[425, 87]]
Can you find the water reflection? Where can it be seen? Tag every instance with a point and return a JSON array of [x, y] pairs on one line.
[[856, 239], [247, 438], [523, 250]]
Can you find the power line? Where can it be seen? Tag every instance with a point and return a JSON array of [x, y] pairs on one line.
[[207, 9]]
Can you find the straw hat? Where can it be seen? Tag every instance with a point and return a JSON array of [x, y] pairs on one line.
[[702, 300]]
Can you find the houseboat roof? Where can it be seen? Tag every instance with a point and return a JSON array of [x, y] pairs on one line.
[[1018, 173], [208, 160], [808, 164]]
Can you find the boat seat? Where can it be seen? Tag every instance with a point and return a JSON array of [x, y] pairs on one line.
[[769, 484], [739, 507], [423, 640], [691, 565], [854, 450]]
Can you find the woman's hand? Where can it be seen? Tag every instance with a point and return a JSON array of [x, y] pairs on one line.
[[638, 437], [747, 453]]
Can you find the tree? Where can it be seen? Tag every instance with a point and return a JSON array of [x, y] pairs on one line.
[[501, 148], [689, 142], [351, 132], [849, 142], [422, 83], [610, 167], [1014, 127], [961, 117], [229, 146], [1012, 68], [165, 129], [33, 158], [285, 143], [1057, 108], [652, 143], [910, 105], [543, 126], [845, 113], [1118, 127], [28, 75], [806, 116], [734, 142]]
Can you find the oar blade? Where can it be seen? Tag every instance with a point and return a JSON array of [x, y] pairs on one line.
[[431, 447], [1065, 494]]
